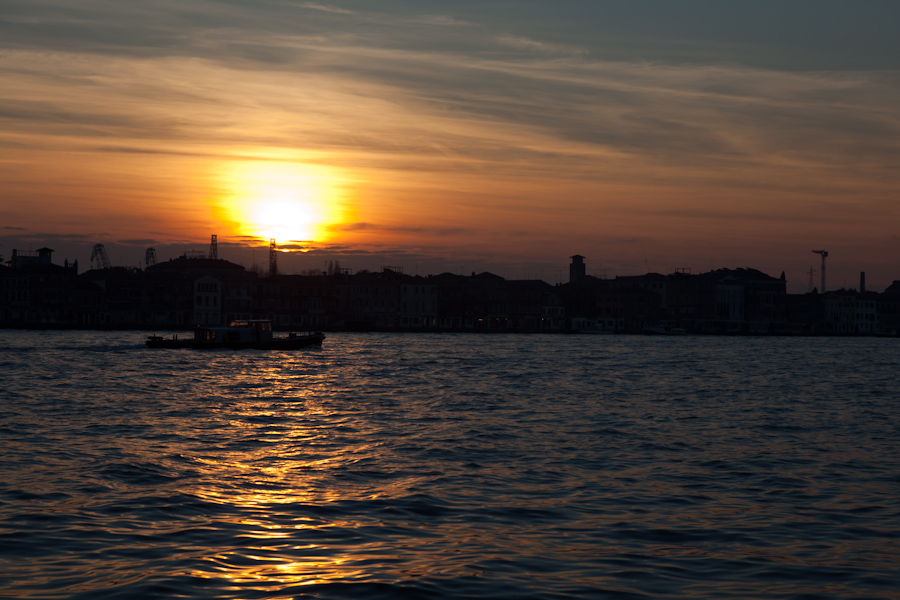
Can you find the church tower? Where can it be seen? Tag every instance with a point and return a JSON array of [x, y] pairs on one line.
[[576, 269]]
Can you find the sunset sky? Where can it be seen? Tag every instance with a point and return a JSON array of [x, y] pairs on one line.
[[457, 136]]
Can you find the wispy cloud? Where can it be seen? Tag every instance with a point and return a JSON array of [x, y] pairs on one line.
[[139, 241], [431, 231], [523, 43], [439, 20], [327, 8]]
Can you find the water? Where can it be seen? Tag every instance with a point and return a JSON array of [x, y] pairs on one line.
[[450, 466]]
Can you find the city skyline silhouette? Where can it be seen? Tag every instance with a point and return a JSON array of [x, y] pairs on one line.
[[495, 137]]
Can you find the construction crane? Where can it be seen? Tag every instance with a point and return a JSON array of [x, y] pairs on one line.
[[98, 256], [150, 257], [273, 258], [214, 247], [824, 254]]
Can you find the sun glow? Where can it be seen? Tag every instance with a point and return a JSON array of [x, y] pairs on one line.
[[287, 201]]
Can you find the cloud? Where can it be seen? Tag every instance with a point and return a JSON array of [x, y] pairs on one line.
[[523, 43], [52, 114], [151, 151], [439, 20], [338, 95], [327, 8], [373, 228], [138, 242], [355, 227]]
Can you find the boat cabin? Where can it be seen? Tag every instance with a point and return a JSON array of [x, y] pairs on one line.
[[251, 330]]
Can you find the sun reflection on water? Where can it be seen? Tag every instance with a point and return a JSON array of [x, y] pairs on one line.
[[287, 527]]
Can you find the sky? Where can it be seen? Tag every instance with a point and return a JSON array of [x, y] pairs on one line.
[[459, 136]]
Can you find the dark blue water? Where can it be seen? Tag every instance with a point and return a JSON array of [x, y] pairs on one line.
[[450, 466]]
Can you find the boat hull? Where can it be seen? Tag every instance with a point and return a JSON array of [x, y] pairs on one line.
[[289, 343]]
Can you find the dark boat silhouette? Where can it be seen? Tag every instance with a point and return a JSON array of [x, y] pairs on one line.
[[253, 334]]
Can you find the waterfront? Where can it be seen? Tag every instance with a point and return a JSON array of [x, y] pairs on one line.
[[448, 466]]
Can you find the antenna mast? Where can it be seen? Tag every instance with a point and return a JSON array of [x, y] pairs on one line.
[[824, 254], [273, 258], [214, 247]]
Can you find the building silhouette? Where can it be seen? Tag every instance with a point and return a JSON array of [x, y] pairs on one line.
[[185, 292]]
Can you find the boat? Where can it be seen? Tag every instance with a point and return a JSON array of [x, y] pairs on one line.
[[250, 334]]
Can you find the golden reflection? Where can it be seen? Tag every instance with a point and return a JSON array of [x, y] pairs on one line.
[[292, 573], [288, 529], [281, 198]]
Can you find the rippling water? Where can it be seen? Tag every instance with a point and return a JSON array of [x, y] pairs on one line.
[[450, 466]]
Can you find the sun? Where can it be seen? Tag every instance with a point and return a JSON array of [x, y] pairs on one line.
[[284, 219], [288, 201]]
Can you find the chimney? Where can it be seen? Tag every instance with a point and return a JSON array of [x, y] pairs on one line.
[[862, 282]]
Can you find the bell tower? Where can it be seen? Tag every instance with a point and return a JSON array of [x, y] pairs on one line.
[[576, 269]]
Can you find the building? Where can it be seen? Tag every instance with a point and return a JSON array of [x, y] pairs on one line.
[[188, 291]]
